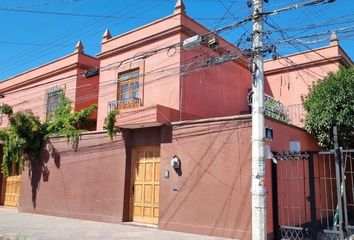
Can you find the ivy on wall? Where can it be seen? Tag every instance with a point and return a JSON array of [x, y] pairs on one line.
[[25, 134], [110, 123]]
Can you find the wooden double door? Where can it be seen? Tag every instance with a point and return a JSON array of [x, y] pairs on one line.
[[145, 184]]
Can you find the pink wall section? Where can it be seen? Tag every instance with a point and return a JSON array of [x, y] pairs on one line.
[[84, 184], [213, 192], [159, 87], [165, 79], [217, 91], [283, 134], [33, 97], [289, 77], [27, 90], [213, 196]]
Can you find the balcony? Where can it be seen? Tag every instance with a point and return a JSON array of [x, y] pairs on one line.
[[296, 114], [133, 102], [275, 109], [291, 114]]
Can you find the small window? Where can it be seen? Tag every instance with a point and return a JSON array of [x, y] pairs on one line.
[[53, 99]]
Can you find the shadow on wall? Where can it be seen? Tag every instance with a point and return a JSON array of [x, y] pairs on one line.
[[38, 169]]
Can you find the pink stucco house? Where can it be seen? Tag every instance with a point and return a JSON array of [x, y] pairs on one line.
[[182, 160]]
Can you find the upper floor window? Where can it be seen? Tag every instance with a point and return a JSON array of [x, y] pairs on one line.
[[128, 85], [53, 99], [128, 90]]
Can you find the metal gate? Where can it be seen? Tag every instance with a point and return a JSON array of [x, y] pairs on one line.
[[306, 188]]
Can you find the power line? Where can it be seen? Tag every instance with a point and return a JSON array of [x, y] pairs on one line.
[[297, 6], [77, 31]]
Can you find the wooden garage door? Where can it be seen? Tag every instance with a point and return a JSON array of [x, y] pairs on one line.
[[12, 191], [146, 184]]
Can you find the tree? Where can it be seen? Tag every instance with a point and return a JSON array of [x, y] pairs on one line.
[[25, 134], [330, 102]]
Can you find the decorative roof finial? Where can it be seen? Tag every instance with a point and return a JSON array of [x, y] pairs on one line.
[[179, 7], [79, 48], [106, 35], [333, 38]]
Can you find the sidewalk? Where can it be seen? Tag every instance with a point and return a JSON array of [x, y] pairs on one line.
[[24, 226]]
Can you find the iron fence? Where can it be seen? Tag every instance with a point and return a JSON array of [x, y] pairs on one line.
[[307, 191]]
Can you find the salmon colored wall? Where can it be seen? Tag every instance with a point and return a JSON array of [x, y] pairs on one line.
[[287, 82], [33, 97], [289, 85], [159, 87], [200, 96], [217, 91], [40, 71], [86, 88], [28, 90], [213, 195], [138, 35], [85, 184], [213, 192], [283, 134]]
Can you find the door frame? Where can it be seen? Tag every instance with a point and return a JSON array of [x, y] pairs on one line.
[[132, 177]]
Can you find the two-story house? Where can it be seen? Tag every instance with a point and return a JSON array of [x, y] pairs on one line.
[[40, 90], [182, 160]]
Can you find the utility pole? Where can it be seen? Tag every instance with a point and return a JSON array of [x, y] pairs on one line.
[[259, 225], [339, 182]]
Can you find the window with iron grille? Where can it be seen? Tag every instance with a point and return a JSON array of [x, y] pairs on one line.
[[53, 99]]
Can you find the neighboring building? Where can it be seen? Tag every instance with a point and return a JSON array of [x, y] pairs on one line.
[[290, 77], [40, 90]]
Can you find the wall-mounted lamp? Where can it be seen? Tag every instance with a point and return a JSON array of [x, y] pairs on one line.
[[175, 162]]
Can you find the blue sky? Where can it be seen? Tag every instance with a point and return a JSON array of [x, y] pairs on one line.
[[30, 37]]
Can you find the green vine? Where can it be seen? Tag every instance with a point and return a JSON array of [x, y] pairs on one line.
[[110, 123], [69, 123], [25, 134]]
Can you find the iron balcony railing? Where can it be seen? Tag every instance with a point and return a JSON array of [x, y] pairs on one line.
[[292, 114], [275, 109], [296, 114], [124, 103]]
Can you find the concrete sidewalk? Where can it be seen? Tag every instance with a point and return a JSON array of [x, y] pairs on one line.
[[24, 226]]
